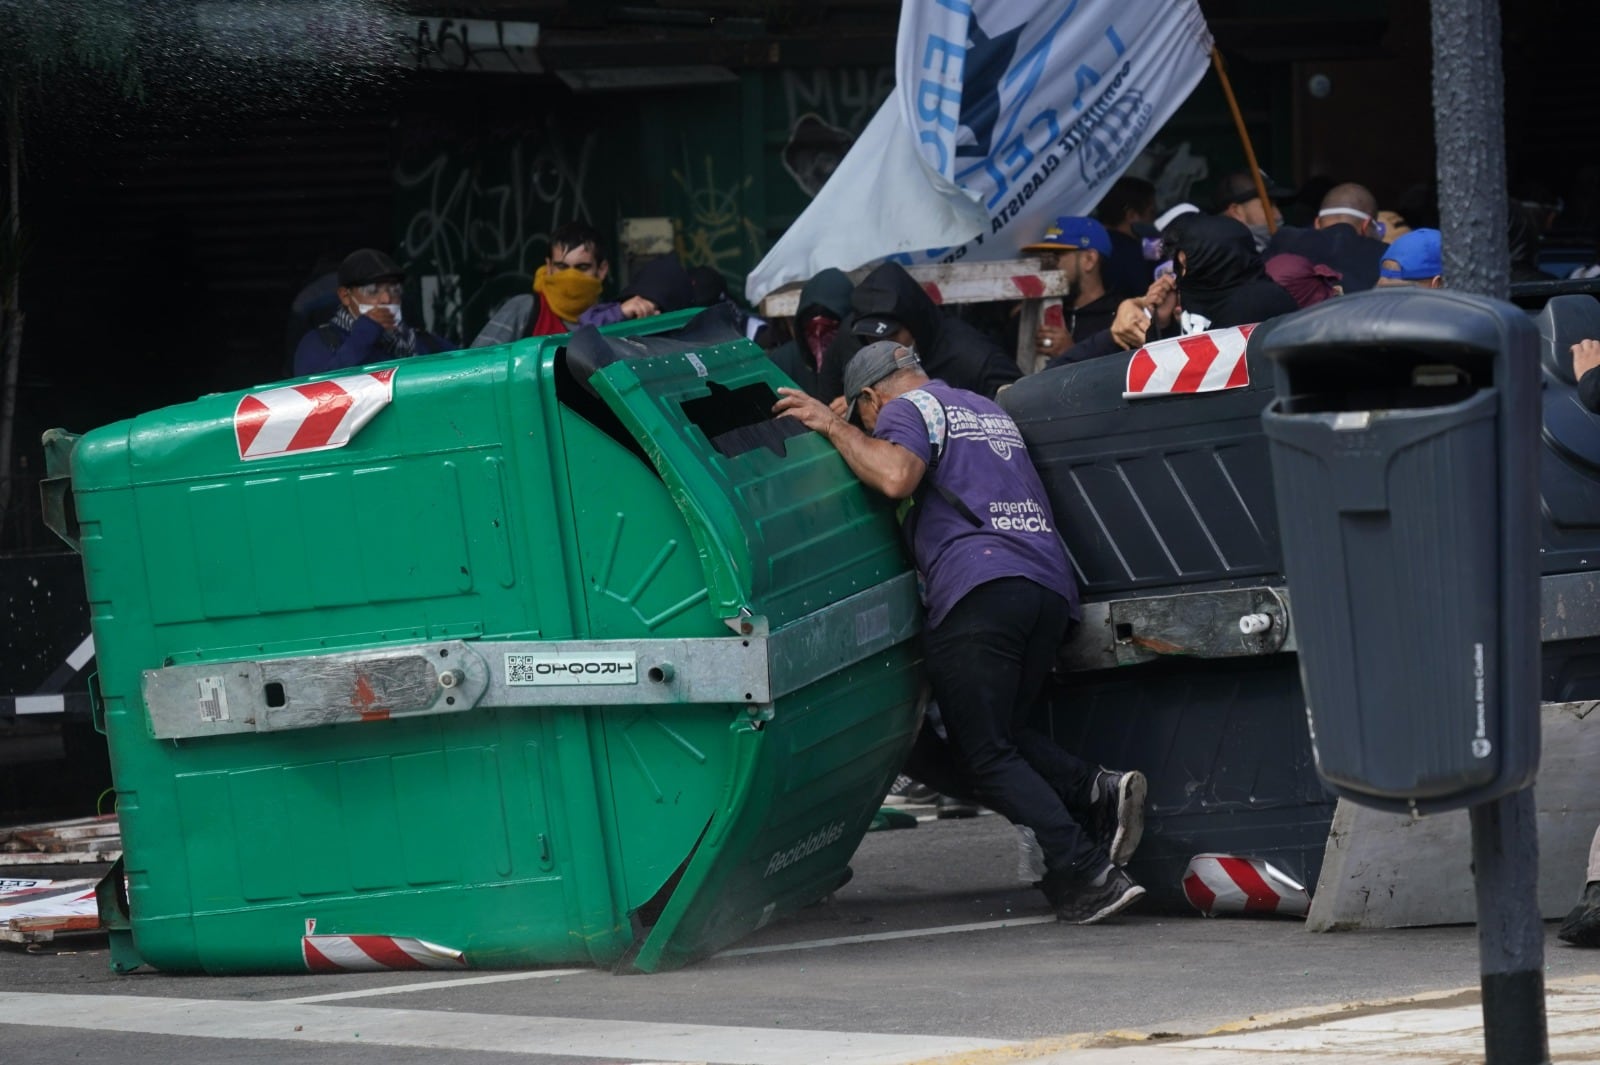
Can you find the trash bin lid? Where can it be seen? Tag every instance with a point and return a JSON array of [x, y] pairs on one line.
[[1353, 330]]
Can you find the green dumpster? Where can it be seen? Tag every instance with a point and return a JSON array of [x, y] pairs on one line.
[[497, 658]]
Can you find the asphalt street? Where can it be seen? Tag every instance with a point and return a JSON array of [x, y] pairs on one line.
[[934, 949]]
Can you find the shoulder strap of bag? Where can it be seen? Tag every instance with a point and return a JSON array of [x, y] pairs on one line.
[[937, 423]]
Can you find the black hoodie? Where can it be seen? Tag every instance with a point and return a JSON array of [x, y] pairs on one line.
[[1221, 277], [826, 293], [950, 349]]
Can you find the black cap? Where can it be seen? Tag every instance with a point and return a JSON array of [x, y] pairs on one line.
[[366, 265], [1240, 187], [876, 326]]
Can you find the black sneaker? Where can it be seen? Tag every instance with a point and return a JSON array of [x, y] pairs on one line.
[[948, 807], [907, 792], [1116, 813], [1582, 926], [1088, 901]]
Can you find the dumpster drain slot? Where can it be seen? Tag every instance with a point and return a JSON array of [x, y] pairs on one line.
[[275, 695], [738, 420]]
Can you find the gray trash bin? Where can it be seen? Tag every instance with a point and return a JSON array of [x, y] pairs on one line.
[[1404, 443]]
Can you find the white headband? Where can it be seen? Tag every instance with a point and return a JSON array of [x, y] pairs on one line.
[[1326, 211]]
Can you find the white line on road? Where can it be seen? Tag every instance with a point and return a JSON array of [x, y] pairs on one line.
[[436, 985], [460, 1032], [880, 937]]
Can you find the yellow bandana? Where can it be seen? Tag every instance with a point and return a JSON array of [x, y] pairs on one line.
[[569, 292]]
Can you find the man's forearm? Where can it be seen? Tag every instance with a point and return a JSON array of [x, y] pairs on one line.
[[881, 466]]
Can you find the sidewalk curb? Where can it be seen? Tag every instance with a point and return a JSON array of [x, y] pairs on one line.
[[1042, 1050]]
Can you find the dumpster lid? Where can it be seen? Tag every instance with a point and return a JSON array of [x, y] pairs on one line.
[[589, 350], [779, 524]]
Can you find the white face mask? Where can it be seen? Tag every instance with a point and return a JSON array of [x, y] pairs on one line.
[[392, 308]]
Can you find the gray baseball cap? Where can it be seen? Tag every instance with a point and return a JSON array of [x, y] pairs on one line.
[[872, 364]]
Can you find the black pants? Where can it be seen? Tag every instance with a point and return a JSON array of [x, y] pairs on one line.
[[987, 661]]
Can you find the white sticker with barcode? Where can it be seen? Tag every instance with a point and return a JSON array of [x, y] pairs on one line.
[[621, 667], [699, 367], [213, 699]]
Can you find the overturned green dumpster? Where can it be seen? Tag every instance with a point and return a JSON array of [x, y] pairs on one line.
[[557, 652]]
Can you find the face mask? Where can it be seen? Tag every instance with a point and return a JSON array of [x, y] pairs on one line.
[[570, 292], [392, 308], [819, 332]]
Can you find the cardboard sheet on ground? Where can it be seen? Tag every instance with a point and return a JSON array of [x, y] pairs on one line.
[[37, 899]]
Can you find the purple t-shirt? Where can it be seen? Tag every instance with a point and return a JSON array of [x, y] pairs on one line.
[[984, 464]]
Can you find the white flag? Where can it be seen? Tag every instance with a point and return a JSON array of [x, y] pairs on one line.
[[1005, 114]]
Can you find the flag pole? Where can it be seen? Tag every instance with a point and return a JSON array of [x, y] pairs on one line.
[[1244, 138]]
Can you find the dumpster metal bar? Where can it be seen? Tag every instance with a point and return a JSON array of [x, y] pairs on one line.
[[453, 676], [1128, 632]]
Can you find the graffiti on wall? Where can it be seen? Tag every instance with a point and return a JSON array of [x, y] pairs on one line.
[[825, 109], [488, 45], [485, 224], [715, 232]]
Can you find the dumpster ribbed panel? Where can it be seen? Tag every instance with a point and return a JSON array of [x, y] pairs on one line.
[[780, 535], [815, 775], [1151, 493]]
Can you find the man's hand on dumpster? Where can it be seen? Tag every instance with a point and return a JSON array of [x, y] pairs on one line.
[[639, 307], [812, 413], [881, 465], [1585, 357]]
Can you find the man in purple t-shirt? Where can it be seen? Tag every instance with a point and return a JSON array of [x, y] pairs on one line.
[[999, 597]]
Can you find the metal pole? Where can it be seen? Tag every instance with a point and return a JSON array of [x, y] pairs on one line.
[[1469, 134]]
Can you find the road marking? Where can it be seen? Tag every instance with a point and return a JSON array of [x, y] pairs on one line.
[[881, 937], [461, 1032], [435, 985]]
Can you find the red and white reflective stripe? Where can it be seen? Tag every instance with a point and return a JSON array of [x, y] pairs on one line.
[[312, 417], [1205, 362], [346, 954], [1223, 883]]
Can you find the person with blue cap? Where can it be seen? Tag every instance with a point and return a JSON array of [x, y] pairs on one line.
[[1080, 248], [1414, 259]]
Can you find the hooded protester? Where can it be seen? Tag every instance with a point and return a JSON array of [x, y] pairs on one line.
[[824, 305], [1306, 281], [1221, 281], [890, 305], [661, 286]]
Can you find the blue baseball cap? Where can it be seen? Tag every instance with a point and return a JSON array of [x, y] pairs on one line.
[[1413, 257], [1074, 232]]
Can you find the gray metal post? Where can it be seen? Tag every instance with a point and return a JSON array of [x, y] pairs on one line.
[[1469, 131]]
